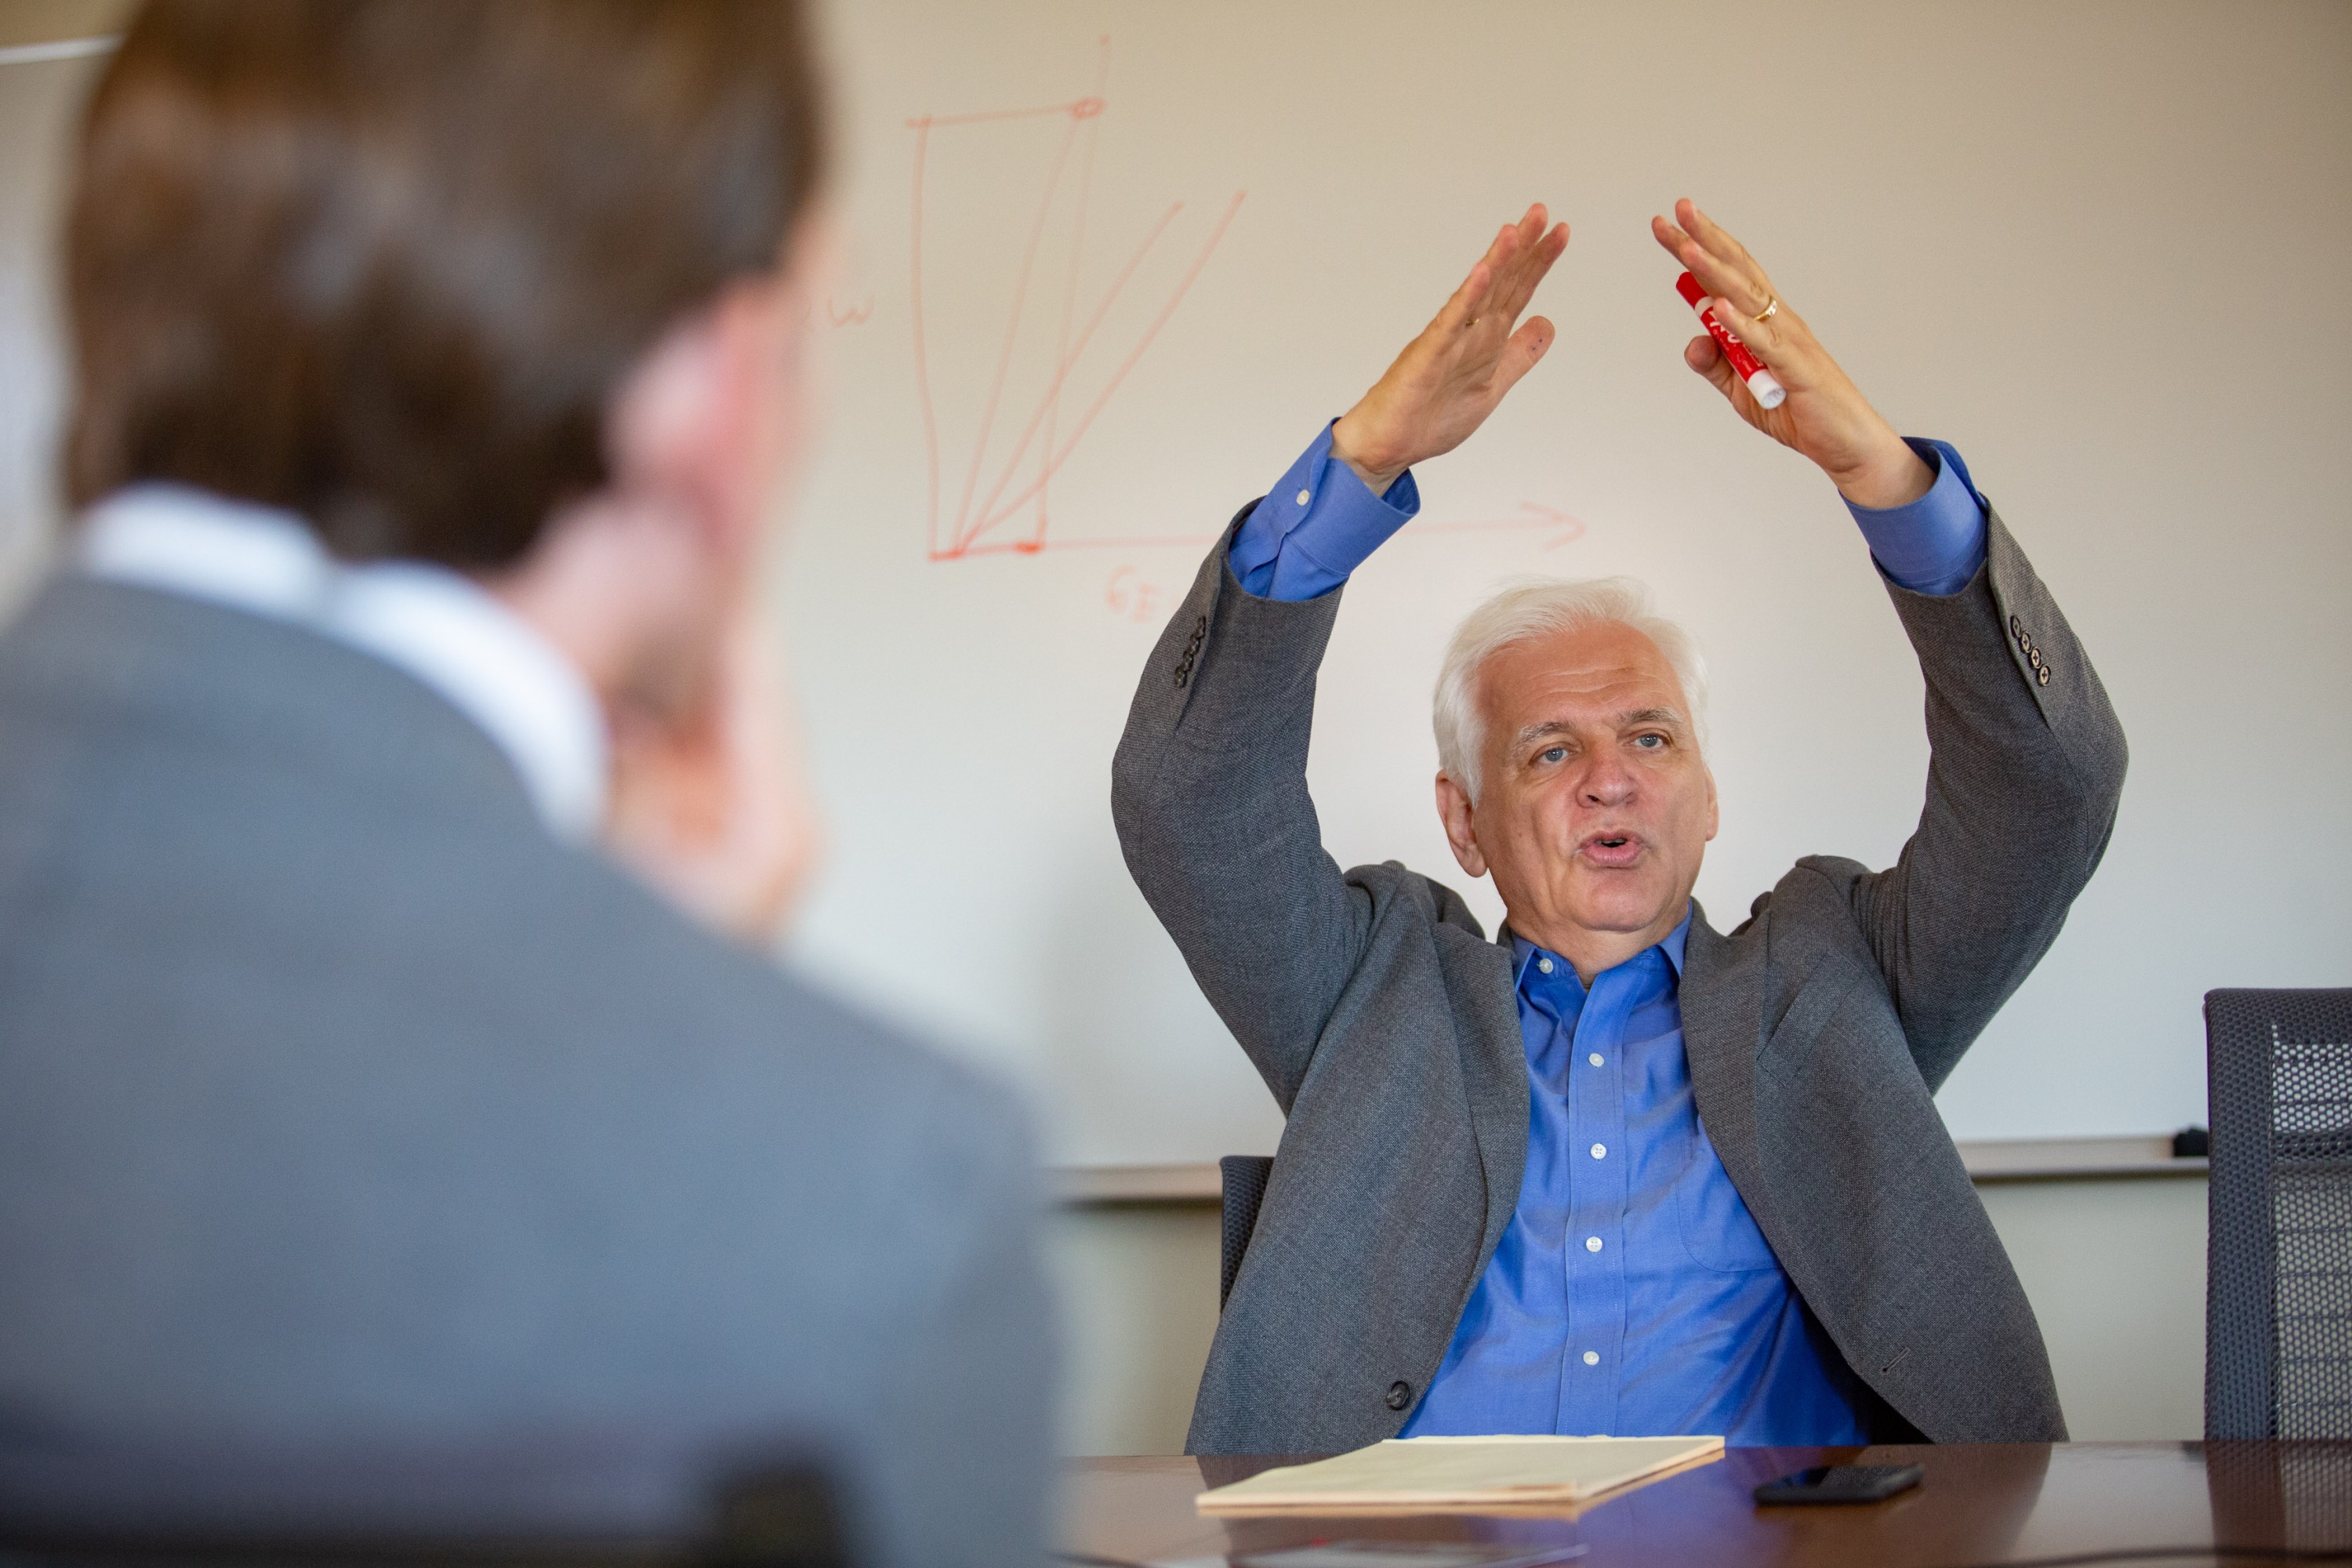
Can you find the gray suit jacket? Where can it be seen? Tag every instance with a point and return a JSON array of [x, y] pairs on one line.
[[1818, 1030], [339, 1100]]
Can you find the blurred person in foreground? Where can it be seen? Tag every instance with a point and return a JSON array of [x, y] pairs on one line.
[[391, 814]]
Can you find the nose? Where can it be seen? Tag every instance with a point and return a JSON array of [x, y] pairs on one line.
[[1607, 781]]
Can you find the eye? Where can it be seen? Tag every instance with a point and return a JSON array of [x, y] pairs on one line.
[[1552, 755], [1651, 743]]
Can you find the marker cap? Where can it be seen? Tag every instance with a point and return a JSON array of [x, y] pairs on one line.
[[1766, 392]]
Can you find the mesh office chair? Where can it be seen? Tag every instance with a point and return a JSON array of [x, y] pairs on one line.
[[2278, 1260], [597, 1503], [1242, 1178]]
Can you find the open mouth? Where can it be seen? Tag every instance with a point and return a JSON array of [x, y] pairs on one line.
[[1611, 847]]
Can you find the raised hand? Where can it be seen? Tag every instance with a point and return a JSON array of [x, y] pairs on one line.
[[1825, 416], [1447, 380]]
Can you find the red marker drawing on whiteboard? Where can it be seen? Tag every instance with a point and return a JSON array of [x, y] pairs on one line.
[[1771, 394]]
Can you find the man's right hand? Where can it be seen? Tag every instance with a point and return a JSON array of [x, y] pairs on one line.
[[1451, 377]]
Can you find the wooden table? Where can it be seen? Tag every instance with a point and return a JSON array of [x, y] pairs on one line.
[[1978, 1504]]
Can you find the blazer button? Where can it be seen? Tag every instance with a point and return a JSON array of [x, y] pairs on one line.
[[2042, 675], [1400, 1395]]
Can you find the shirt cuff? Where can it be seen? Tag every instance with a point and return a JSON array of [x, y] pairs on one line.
[[1318, 525], [1935, 545]]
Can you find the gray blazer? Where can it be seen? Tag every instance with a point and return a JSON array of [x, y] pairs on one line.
[[339, 1100], [1818, 1030]]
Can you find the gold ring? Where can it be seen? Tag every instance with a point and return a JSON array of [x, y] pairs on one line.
[[1772, 305], [1470, 322]]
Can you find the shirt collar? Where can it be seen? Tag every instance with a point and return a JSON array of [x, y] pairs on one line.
[[431, 622], [1671, 946]]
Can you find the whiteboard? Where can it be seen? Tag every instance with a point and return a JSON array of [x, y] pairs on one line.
[[2082, 243]]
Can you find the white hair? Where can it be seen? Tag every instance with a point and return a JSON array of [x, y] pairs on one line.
[[1539, 606]]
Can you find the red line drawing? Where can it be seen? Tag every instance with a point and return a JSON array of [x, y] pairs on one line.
[[1005, 474], [856, 316], [977, 513], [1129, 597]]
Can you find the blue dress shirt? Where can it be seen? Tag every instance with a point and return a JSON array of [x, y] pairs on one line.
[[1632, 1293], [1316, 526]]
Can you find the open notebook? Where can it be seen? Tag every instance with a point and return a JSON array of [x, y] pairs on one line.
[[1460, 1472]]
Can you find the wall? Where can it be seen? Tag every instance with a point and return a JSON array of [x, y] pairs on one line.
[[2115, 1271]]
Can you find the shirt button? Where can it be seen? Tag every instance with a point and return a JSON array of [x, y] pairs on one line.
[[1600, 1150], [1544, 964], [1592, 1243], [1592, 1358], [1305, 496], [1594, 1058]]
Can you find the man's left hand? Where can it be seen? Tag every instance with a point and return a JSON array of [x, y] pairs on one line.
[[1825, 416], [1447, 380]]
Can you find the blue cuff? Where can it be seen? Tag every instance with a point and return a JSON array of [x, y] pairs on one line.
[[1935, 545], [1317, 525]]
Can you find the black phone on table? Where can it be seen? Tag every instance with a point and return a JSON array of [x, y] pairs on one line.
[[1840, 1483]]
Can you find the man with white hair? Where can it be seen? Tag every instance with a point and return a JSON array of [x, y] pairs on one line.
[[1612, 1171]]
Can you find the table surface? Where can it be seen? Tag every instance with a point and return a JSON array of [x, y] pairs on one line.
[[1991, 1503]]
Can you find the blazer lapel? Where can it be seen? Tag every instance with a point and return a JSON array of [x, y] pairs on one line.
[[1722, 1007], [1495, 1064]]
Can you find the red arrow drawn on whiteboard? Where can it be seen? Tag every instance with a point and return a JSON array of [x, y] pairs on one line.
[[1564, 528]]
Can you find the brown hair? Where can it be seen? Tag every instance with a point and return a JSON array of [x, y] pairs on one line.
[[382, 262]]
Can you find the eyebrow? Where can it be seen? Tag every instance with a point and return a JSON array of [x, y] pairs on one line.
[[1666, 716], [1638, 716]]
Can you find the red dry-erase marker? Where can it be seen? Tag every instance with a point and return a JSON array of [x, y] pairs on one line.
[[1761, 385]]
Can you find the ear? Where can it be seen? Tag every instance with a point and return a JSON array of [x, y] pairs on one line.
[[760, 430], [1453, 809], [666, 422], [711, 418], [1713, 813]]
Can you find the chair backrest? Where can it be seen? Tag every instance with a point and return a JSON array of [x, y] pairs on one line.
[[2278, 1258], [536, 1504], [1244, 1181]]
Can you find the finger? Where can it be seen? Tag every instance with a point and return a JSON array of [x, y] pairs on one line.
[[1717, 277], [1527, 236], [1465, 301], [1707, 232], [1702, 355], [1768, 340], [1497, 267], [1718, 244], [1534, 263], [1519, 355], [1491, 304]]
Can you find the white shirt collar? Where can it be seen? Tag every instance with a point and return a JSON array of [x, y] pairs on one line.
[[427, 621]]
